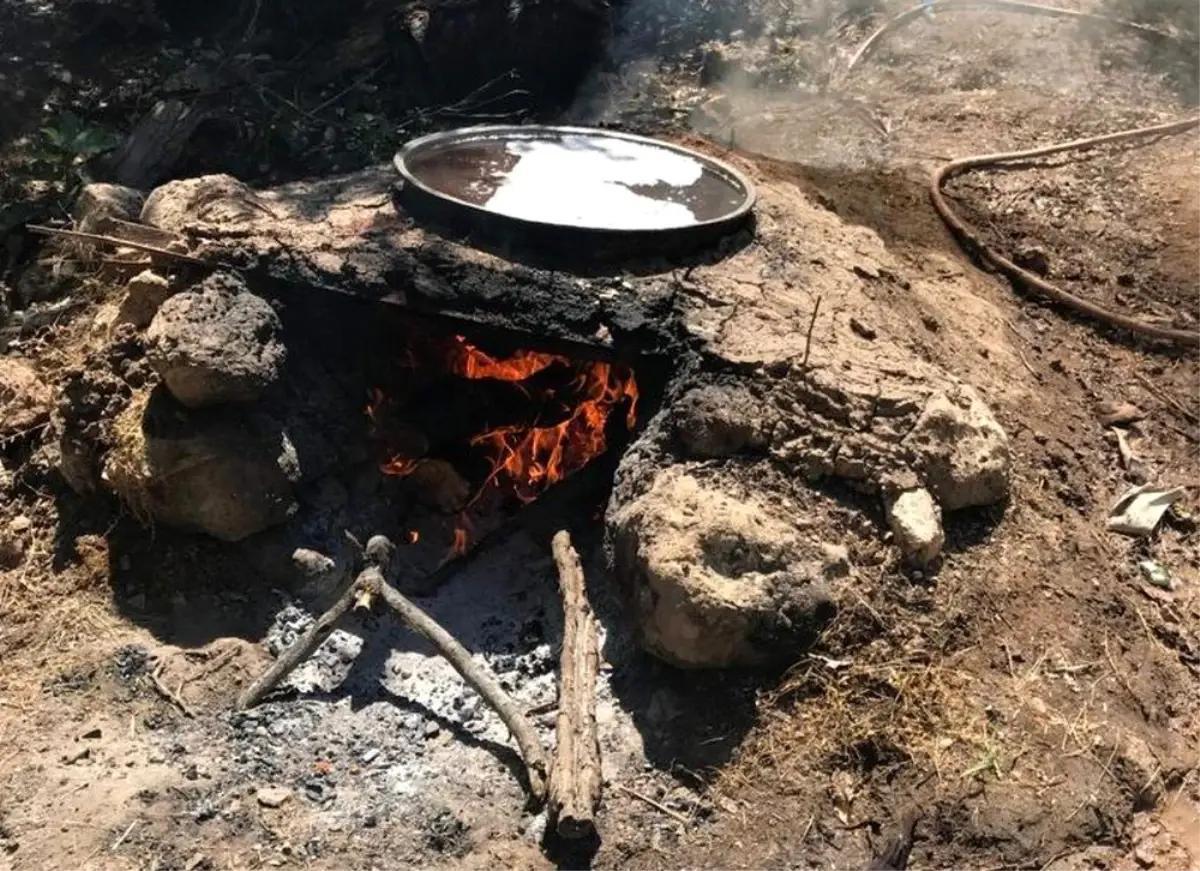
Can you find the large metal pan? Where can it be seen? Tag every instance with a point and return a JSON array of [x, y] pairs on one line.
[[571, 193]]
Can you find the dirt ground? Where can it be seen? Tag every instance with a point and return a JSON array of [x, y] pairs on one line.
[[1035, 697]]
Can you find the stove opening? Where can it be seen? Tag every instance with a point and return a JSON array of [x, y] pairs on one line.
[[467, 425]]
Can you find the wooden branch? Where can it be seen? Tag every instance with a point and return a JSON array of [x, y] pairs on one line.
[[370, 584], [98, 239], [481, 681], [153, 148], [366, 582], [575, 777]]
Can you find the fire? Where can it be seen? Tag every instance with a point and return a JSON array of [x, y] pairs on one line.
[[413, 536], [470, 362], [461, 539], [525, 459], [533, 458]]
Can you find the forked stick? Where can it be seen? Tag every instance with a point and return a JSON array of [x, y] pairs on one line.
[[357, 594], [371, 583], [489, 689]]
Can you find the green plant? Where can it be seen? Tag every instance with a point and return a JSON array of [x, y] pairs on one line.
[[63, 146]]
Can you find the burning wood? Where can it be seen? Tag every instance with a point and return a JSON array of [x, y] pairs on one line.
[[522, 459]]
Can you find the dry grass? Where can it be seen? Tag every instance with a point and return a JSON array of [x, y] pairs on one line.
[[57, 615], [900, 699], [837, 715], [125, 467]]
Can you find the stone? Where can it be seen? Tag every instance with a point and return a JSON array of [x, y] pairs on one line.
[[313, 565], [12, 550], [438, 485], [226, 472], [719, 421], [98, 202], [144, 295], [916, 524], [863, 329], [1111, 413], [960, 450], [216, 344], [836, 561], [209, 199], [715, 581], [25, 400], [272, 796]]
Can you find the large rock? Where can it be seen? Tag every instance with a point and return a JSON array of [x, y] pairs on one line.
[[216, 344], [960, 450], [98, 202], [226, 472], [144, 295], [718, 581], [25, 401], [208, 200]]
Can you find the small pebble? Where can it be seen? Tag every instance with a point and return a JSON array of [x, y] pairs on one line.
[[273, 796], [432, 729]]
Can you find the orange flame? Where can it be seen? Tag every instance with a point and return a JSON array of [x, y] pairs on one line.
[[470, 362], [462, 538], [533, 458], [525, 459]]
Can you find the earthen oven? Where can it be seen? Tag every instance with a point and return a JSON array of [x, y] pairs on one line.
[[768, 433]]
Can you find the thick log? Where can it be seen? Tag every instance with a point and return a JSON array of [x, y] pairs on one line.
[[155, 145], [575, 777]]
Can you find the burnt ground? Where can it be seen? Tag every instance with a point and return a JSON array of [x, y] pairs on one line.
[[1034, 697]]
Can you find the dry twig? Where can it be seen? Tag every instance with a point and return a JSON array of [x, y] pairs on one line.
[[98, 239], [657, 805], [165, 692], [812, 322]]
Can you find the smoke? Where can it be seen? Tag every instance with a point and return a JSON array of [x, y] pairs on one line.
[[706, 66], [1176, 58], [771, 75]]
